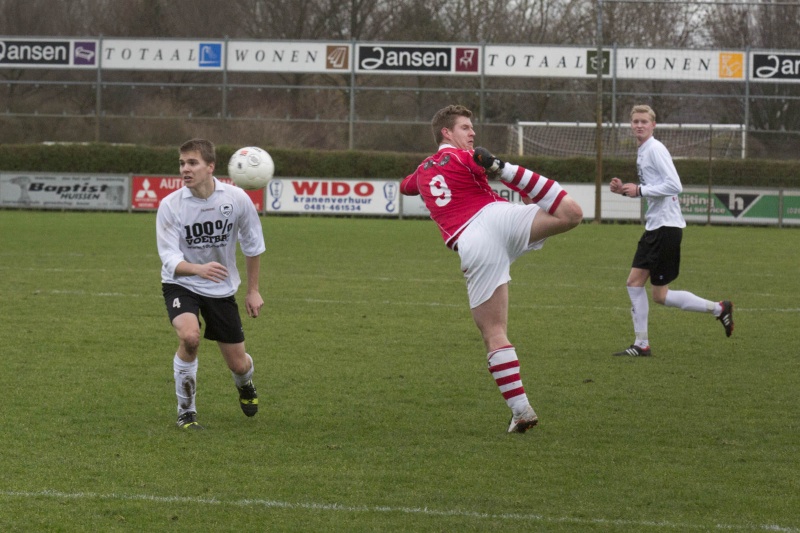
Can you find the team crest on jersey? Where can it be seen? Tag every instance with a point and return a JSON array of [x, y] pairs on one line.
[[226, 210], [445, 160], [428, 164]]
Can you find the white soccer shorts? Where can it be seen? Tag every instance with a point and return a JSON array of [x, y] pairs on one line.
[[494, 239]]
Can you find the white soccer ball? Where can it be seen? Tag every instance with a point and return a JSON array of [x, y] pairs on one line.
[[251, 168]]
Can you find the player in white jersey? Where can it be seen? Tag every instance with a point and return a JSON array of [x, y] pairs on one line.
[[489, 233], [197, 228], [658, 255]]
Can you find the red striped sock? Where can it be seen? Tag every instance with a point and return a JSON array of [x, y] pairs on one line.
[[544, 192], [504, 367]]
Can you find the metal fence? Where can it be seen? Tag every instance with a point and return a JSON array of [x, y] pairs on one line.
[[356, 107]]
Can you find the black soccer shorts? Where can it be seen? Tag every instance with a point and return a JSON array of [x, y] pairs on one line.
[[659, 251], [223, 323]]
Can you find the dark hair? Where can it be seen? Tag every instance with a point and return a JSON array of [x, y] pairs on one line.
[[203, 147], [446, 118]]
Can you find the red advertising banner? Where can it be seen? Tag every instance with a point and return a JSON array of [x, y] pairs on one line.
[[148, 191]]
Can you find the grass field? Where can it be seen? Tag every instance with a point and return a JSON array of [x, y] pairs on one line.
[[377, 412]]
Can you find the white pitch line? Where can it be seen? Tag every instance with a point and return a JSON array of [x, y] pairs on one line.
[[310, 506], [84, 293], [418, 304]]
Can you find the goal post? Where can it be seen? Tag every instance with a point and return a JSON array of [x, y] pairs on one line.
[[576, 139]]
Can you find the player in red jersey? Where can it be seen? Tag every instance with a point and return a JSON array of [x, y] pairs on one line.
[[489, 233]]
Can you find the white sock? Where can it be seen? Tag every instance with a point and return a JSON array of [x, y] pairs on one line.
[[689, 302], [185, 383], [242, 379], [504, 367], [640, 309]]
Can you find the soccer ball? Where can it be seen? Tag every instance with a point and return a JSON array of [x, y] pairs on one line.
[[251, 168]]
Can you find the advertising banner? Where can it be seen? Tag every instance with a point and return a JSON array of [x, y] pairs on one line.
[[775, 66], [741, 206], [333, 197], [417, 59], [148, 191], [543, 61], [288, 56], [30, 52], [64, 191], [790, 208], [576, 62], [679, 64], [161, 54]]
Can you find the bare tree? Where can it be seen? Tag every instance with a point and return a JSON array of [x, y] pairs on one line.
[[769, 25], [293, 102]]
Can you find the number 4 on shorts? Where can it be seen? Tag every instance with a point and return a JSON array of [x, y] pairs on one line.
[[176, 303]]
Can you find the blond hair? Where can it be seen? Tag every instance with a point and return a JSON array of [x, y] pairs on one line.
[[641, 108]]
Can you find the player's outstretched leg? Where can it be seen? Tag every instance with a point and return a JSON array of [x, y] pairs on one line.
[[537, 189], [689, 302], [726, 317]]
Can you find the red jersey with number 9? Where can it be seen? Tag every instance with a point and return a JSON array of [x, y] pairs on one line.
[[454, 189]]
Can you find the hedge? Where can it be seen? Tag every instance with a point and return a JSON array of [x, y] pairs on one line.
[[125, 159]]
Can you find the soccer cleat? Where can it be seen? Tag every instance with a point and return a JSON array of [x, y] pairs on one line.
[[188, 420], [248, 398], [726, 317], [524, 421], [635, 351]]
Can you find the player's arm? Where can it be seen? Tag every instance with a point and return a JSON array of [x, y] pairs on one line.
[[670, 183], [253, 302], [409, 186], [212, 271], [251, 241], [625, 189], [168, 239]]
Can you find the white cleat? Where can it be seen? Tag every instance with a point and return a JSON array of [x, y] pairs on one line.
[[524, 421]]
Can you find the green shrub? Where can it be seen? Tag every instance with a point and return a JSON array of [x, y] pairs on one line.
[[107, 158]]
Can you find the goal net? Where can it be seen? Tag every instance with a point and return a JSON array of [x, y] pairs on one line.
[[572, 139]]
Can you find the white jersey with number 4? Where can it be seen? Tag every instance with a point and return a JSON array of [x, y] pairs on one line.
[[660, 185], [199, 231]]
